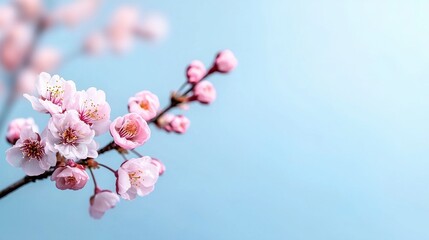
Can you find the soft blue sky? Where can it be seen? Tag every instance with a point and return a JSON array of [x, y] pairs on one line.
[[320, 133]]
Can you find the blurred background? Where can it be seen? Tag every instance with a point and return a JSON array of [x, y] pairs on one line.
[[320, 133]]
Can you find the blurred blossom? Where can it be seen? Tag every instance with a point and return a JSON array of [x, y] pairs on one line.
[[75, 12], [225, 61], [26, 81], [121, 28], [205, 92], [154, 27], [15, 45], [15, 127], [165, 120], [180, 124], [95, 44], [195, 71], [7, 16], [45, 59], [30, 9]]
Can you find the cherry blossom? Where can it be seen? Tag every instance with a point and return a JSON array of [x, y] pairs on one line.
[[195, 71], [180, 124], [205, 92], [31, 153], [225, 61], [145, 103], [71, 137], [54, 92], [102, 201], [130, 131], [92, 108], [72, 176], [136, 176]]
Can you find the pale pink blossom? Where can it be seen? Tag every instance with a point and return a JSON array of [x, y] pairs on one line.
[[225, 61], [145, 103], [7, 17], [159, 165], [31, 153], [130, 131], [30, 9], [95, 43], [71, 137], [120, 30], [17, 125], [92, 108], [72, 176], [180, 124], [154, 27], [15, 45], [26, 81], [102, 201], [205, 92], [136, 176], [45, 59], [195, 71], [74, 12], [54, 92], [164, 121]]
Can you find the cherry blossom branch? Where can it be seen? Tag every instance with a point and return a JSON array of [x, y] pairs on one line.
[[28, 179], [110, 146], [128, 132]]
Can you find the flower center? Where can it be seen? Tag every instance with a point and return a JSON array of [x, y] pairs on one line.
[[135, 178], [128, 130], [56, 93], [33, 149], [70, 180], [145, 105], [69, 136], [90, 112]]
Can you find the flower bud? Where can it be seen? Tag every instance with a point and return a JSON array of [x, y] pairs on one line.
[[195, 71], [16, 126], [205, 92], [225, 61]]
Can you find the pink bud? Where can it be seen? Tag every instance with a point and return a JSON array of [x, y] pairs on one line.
[[180, 124], [102, 201], [16, 126], [164, 121], [195, 71], [159, 165], [72, 176], [225, 61], [205, 92], [95, 44], [45, 59]]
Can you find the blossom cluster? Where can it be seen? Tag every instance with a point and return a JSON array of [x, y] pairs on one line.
[[66, 148]]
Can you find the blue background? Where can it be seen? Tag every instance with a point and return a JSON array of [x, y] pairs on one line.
[[320, 133]]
